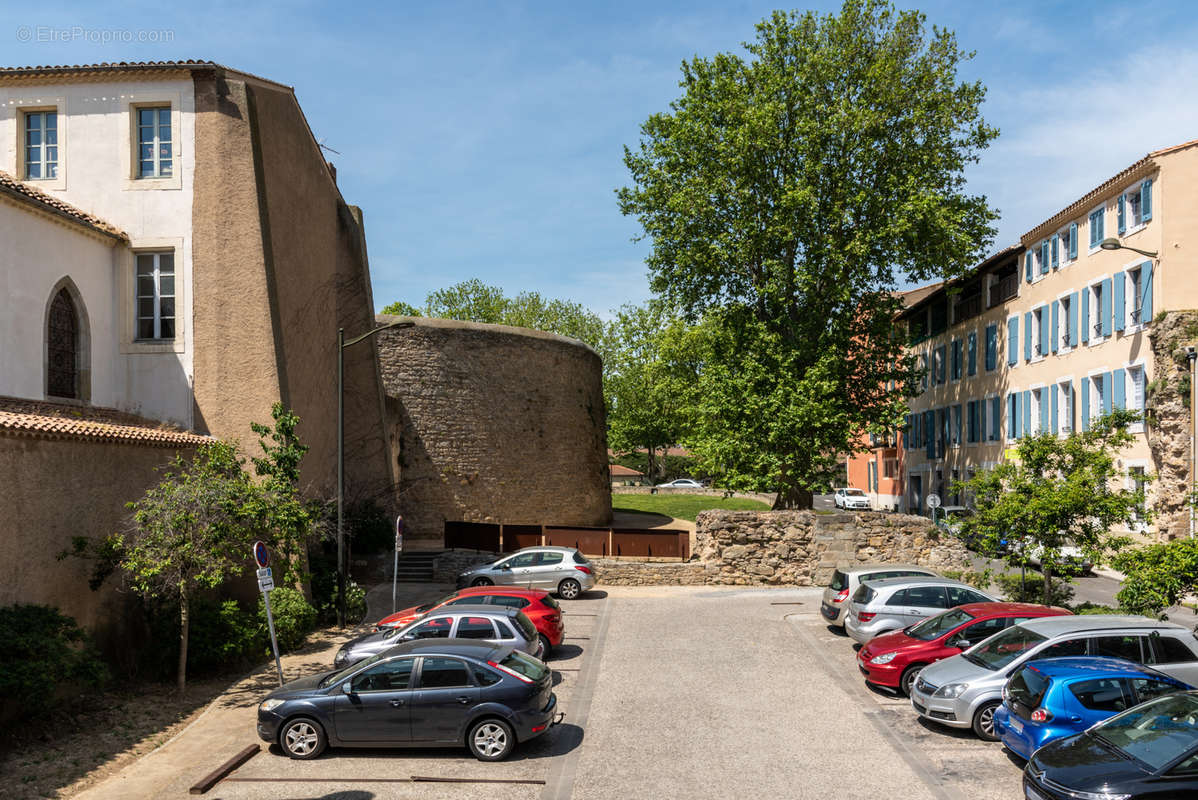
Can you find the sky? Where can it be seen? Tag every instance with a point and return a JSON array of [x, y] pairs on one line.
[[485, 139]]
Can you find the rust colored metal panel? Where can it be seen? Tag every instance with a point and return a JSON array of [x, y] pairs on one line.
[[518, 536], [658, 542], [482, 536], [591, 541]]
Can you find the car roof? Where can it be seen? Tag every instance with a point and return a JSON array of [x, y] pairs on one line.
[[506, 591], [453, 647], [1003, 609], [931, 580], [1058, 626], [1087, 666], [542, 547], [849, 571], [477, 609]]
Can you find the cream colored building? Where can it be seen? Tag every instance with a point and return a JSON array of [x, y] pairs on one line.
[[1054, 331]]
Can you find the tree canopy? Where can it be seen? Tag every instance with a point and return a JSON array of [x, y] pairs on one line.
[[786, 194]]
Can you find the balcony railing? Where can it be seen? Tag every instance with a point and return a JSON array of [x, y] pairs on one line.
[[1004, 289], [967, 307]]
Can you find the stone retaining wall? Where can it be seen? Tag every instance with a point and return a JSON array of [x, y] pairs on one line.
[[802, 548]]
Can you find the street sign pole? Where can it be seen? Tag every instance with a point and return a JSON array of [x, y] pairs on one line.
[[395, 567], [266, 583]]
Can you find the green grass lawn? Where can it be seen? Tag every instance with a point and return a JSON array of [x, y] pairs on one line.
[[681, 506]]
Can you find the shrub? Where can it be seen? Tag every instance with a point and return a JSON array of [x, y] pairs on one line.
[[222, 636], [1094, 608], [1032, 591], [41, 651], [293, 615], [975, 578]]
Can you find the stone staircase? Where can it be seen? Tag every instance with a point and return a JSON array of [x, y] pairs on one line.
[[417, 566]]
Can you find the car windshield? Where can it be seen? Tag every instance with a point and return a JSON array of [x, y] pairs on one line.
[[854, 493], [1028, 687], [839, 581], [1155, 732], [579, 558], [337, 677], [936, 626], [1003, 648], [526, 665]]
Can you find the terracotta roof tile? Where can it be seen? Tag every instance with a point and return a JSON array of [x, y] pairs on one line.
[[124, 66], [26, 193], [623, 471], [62, 421]]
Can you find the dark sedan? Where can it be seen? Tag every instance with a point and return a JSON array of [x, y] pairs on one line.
[[428, 693], [1150, 751]]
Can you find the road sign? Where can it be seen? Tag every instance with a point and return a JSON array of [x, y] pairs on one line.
[[261, 555], [266, 584], [933, 500], [395, 566]]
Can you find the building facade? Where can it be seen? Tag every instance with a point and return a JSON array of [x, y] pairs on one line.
[[1050, 333]]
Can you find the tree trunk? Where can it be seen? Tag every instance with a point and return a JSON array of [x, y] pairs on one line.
[[1047, 584], [794, 498], [184, 621], [651, 465]]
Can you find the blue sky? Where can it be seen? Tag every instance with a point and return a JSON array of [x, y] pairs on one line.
[[483, 139]]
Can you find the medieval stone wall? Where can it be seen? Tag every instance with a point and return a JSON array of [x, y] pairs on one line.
[[495, 424], [1169, 421]]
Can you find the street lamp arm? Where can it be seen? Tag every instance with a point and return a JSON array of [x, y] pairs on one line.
[[1112, 243], [368, 334]]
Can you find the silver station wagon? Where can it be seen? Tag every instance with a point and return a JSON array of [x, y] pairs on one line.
[[564, 571], [882, 606]]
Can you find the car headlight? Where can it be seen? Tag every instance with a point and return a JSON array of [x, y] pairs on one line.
[[270, 705], [885, 658], [340, 657], [951, 690], [1094, 795]]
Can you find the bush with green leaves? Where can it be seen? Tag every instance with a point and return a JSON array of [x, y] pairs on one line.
[[1095, 608], [1157, 575], [42, 650], [979, 579], [1031, 589], [293, 615]]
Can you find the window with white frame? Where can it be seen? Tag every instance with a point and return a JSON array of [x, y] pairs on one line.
[[1135, 287], [1136, 394], [1097, 218], [155, 149], [1064, 329], [1037, 398], [1067, 238], [155, 296], [1065, 407], [41, 145], [1097, 396], [1137, 481], [889, 467], [1135, 207], [1039, 320], [1095, 300]]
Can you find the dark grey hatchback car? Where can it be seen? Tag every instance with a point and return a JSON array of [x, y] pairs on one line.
[[427, 693]]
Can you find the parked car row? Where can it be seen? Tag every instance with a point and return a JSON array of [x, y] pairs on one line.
[[1100, 707], [466, 669]]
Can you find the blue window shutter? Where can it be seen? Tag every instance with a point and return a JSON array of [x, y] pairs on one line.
[[981, 404], [1085, 304], [1012, 341], [1045, 330], [1071, 323], [972, 359], [1043, 256], [1056, 323], [1106, 393], [1026, 428], [929, 422], [956, 439], [1053, 396], [1146, 292], [1084, 388], [991, 347], [995, 418], [1056, 250], [1072, 240], [1104, 314], [1122, 217], [1119, 388], [1044, 418], [1027, 336], [1146, 199], [1118, 284], [1027, 265], [1013, 415]]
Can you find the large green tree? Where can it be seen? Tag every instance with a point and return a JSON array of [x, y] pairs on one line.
[[787, 193], [1057, 492]]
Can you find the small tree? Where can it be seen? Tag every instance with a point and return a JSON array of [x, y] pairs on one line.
[[191, 531], [1157, 576], [289, 518], [1059, 491]]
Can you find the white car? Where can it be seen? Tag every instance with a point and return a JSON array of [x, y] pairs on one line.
[[851, 500], [681, 483]]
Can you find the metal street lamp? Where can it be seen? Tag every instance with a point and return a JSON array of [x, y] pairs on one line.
[[341, 345], [1115, 244]]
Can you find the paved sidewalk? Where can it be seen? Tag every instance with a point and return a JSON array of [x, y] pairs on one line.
[[227, 726]]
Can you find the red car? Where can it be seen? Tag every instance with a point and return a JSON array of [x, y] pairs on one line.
[[539, 606], [895, 659]]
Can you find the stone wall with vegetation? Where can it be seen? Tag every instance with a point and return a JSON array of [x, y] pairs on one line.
[[803, 547], [762, 497], [1169, 420]]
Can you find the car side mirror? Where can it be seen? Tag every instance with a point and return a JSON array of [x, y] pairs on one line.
[[964, 644], [347, 688], [506, 566]]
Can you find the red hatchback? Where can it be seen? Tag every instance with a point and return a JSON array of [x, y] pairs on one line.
[[539, 606], [895, 659]]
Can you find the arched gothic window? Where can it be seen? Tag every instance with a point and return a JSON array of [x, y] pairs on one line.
[[62, 347]]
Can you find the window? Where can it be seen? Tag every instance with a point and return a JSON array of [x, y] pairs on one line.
[[62, 347], [1038, 412], [1147, 688], [923, 372], [156, 295], [890, 468], [484, 676], [1101, 694], [1135, 380], [991, 347], [509, 602], [523, 560], [971, 425], [443, 673], [971, 354], [984, 629], [505, 630], [433, 629], [1069, 321], [959, 596], [926, 597], [955, 432], [1012, 341], [1126, 646], [154, 150], [550, 558], [1098, 398], [1039, 332], [1065, 412], [1135, 207], [41, 145], [939, 368], [1068, 239], [899, 598], [1100, 309], [1096, 232], [871, 478], [388, 677], [475, 628], [1170, 650], [956, 360], [1064, 649], [995, 419]]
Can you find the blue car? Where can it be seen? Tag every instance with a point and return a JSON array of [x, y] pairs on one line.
[[1055, 697]]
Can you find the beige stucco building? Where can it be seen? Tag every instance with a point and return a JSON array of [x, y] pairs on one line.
[[1053, 331]]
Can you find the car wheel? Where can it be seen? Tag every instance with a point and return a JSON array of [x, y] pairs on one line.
[[983, 721], [569, 589], [908, 679], [491, 739], [302, 738], [545, 646], [482, 582]]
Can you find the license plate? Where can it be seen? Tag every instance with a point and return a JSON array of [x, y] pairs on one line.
[[1014, 724], [1032, 794]]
